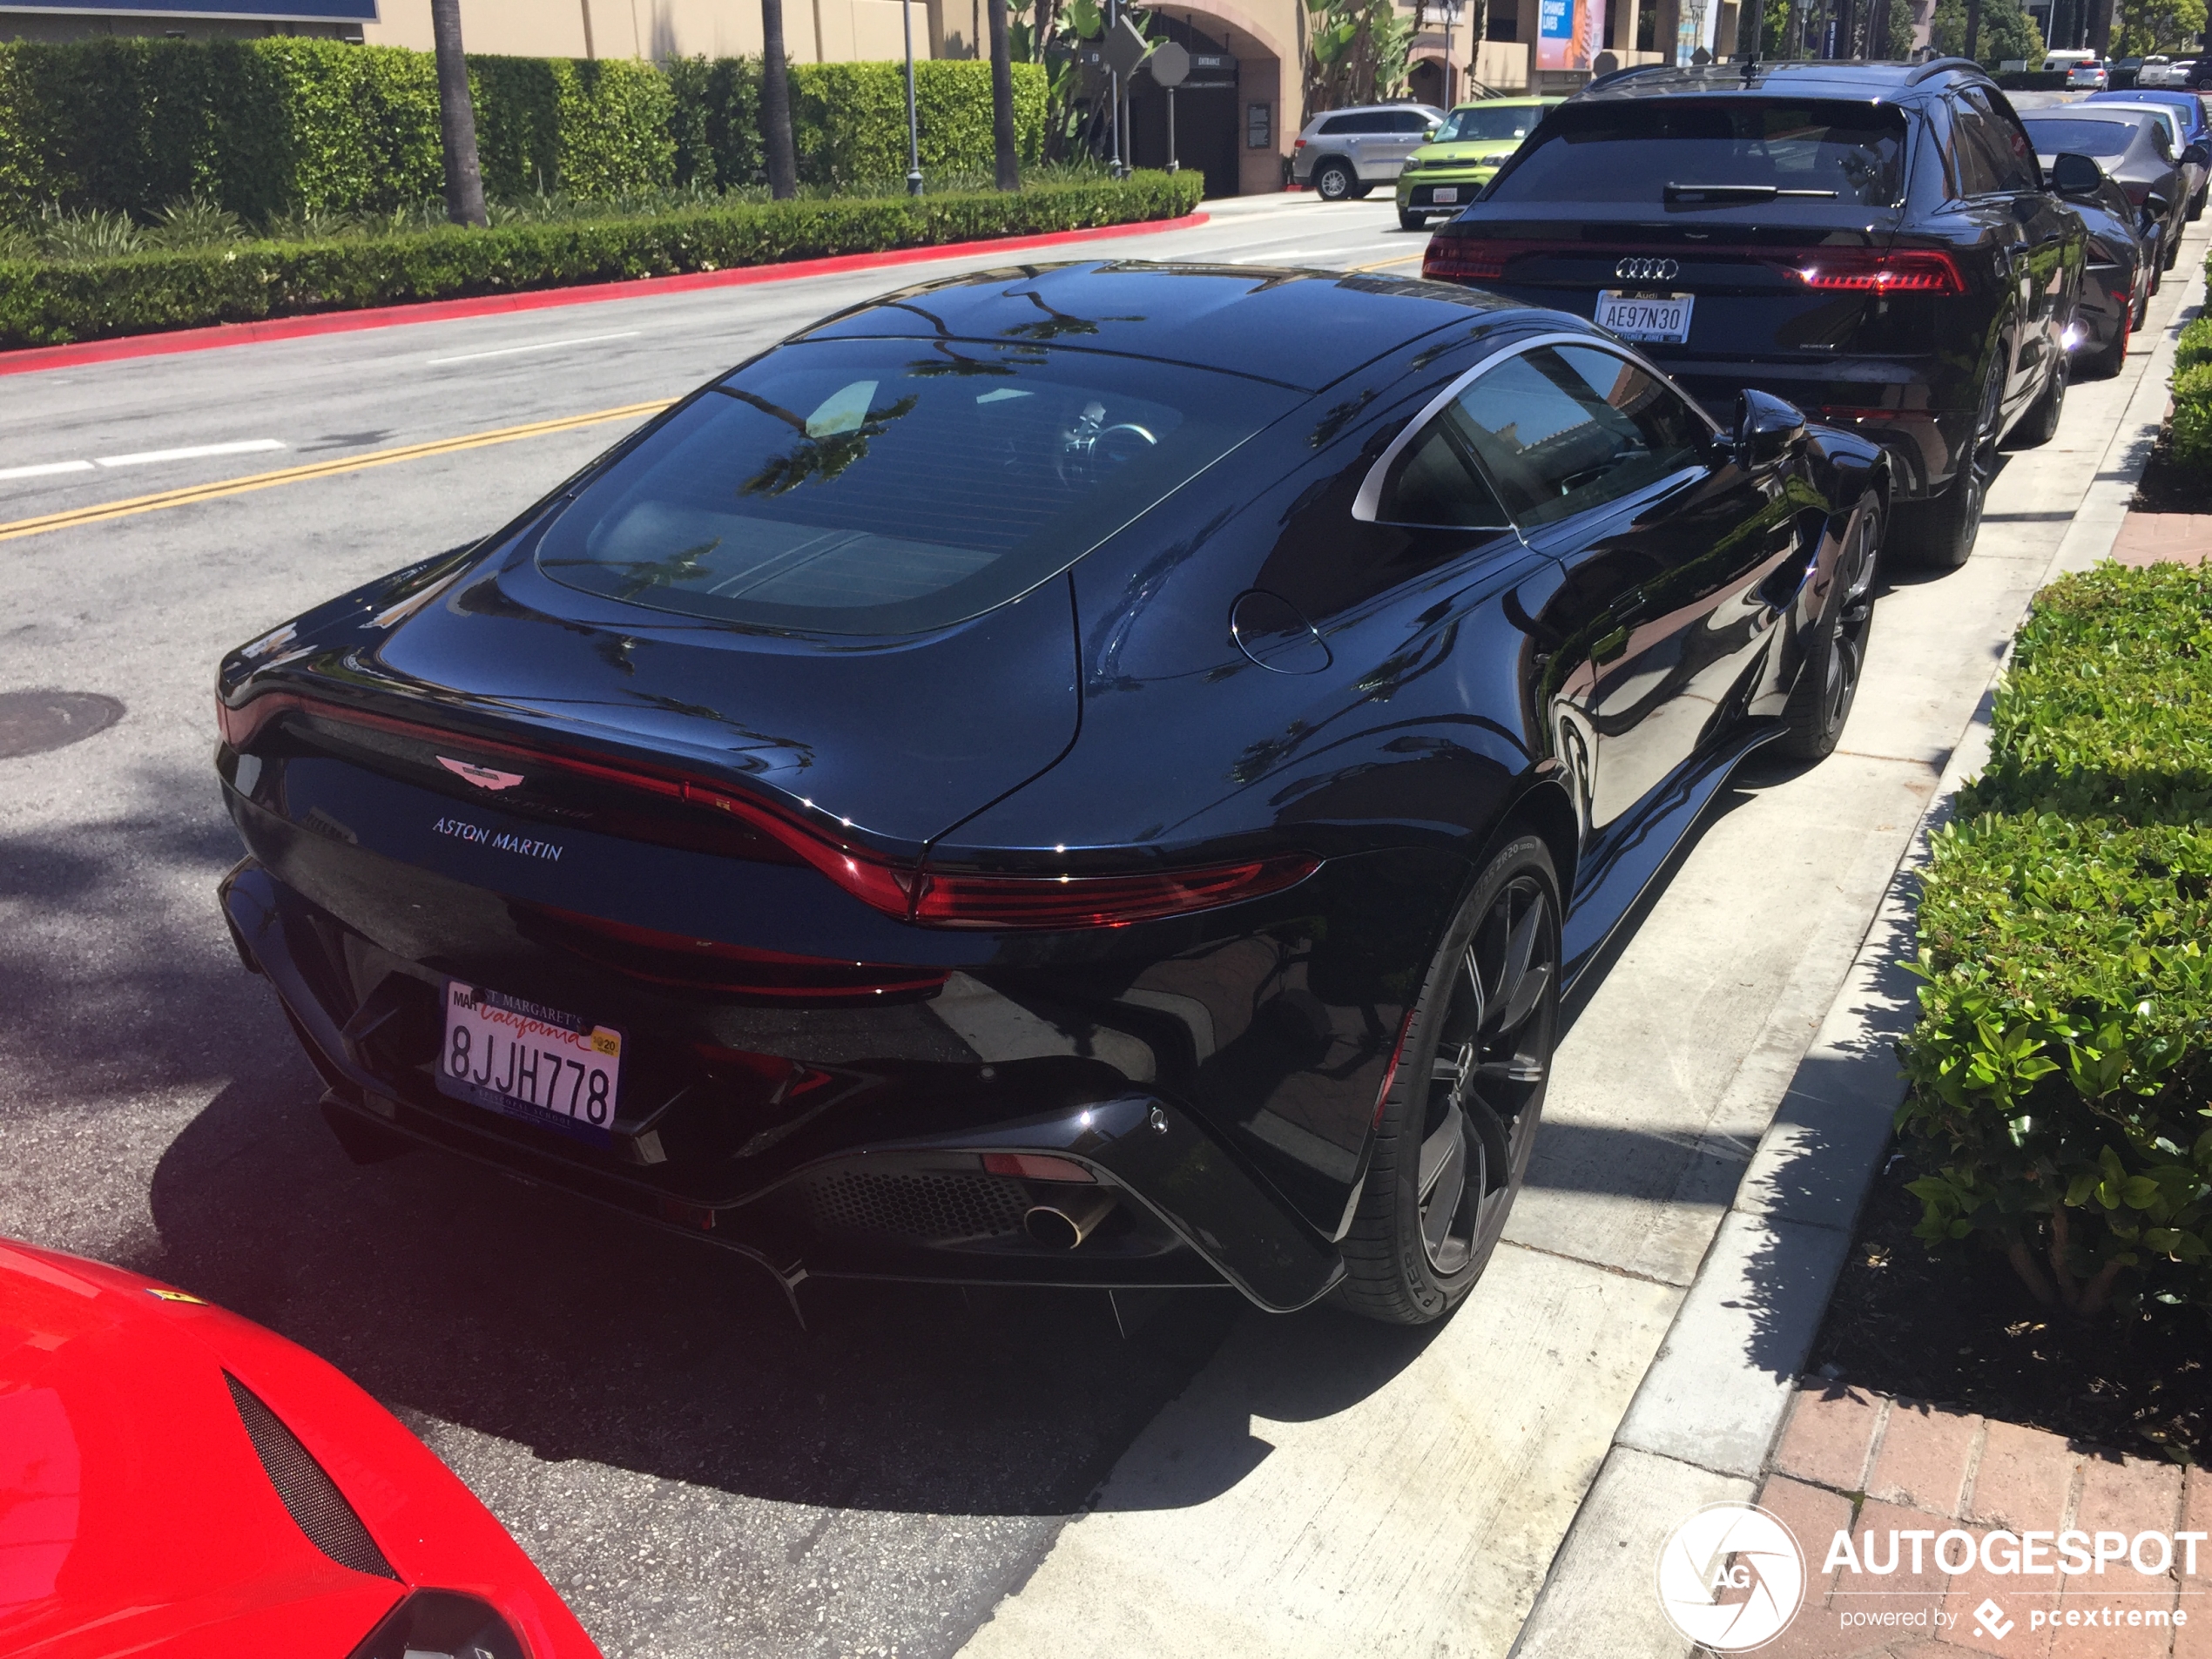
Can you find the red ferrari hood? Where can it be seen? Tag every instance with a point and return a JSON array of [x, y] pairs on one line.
[[136, 1511]]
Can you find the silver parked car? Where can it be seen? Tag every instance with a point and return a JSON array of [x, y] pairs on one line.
[[1345, 153]]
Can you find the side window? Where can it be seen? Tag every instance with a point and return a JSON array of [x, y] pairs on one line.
[[1409, 121], [1563, 428], [1972, 156], [2014, 156], [1436, 482], [1345, 125]]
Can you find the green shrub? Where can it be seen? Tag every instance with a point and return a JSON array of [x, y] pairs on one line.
[[2061, 1066], [48, 303], [268, 128], [2190, 431]]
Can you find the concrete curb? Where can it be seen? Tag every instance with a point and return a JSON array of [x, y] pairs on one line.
[[34, 358], [1704, 1422]]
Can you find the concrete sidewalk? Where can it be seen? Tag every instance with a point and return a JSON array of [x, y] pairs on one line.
[[1503, 1483], [1707, 1414]]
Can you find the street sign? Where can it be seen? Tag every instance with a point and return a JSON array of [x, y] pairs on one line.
[[1170, 65], [1125, 49]]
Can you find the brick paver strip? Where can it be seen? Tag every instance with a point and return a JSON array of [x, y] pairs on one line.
[[1925, 1456], [2194, 1640], [2024, 1479], [2152, 538], [1830, 1436], [1968, 1590]]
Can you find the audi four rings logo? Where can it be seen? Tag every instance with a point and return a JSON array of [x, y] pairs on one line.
[[1647, 270]]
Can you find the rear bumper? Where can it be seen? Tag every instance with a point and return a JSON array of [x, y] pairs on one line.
[[877, 1193]]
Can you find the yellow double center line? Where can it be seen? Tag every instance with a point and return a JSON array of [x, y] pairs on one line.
[[215, 491]]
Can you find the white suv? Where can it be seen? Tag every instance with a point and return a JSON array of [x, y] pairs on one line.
[[1345, 153]]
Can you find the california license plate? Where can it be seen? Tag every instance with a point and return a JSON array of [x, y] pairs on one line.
[[1661, 317], [1444, 194], [528, 1061]]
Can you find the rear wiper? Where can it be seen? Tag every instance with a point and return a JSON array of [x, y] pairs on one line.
[[1738, 193]]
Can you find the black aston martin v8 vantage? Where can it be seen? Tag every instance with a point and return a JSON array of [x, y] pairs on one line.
[[1093, 775]]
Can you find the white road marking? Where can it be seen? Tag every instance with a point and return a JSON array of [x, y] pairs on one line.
[[45, 470], [195, 452], [543, 345]]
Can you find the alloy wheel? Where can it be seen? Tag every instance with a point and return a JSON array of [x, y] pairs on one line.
[[1854, 619], [1493, 1045]]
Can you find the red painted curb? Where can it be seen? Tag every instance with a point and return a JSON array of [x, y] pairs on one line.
[[35, 358]]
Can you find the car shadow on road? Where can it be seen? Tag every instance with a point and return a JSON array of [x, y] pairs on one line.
[[533, 1316]]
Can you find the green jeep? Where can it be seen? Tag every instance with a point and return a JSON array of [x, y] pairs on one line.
[[1448, 171]]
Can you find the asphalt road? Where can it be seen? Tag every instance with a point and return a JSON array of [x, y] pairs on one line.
[[697, 1473]]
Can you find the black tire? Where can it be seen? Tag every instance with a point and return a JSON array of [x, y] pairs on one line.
[[1452, 1149], [1941, 532], [2041, 424], [1836, 658], [1412, 221], [1334, 181], [2196, 205], [2173, 252]]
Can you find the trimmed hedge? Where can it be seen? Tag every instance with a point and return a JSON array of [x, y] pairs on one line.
[[2061, 1066], [48, 304], [263, 127], [2191, 430]]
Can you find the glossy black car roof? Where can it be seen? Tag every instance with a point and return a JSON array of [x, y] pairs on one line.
[[1301, 328], [1893, 82]]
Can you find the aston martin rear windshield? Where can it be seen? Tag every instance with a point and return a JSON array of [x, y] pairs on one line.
[[890, 486], [1654, 149]]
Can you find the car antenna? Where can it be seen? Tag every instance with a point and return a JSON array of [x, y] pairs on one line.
[[1750, 61]]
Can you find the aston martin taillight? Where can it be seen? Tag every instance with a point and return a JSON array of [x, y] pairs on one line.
[[966, 901], [1872, 270], [1007, 902]]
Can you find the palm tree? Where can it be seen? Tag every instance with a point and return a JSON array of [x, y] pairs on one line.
[[456, 118], [775, 102], [1009, 167]]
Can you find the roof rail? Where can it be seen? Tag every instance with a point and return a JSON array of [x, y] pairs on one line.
[[1622, 75], [1938, 65]]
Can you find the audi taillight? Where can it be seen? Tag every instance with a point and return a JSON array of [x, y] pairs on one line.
[[1869, 270], [1463, 258]]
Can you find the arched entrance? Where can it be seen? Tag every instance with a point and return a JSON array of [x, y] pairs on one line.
[[1236, 116], [1207, 137], [1425, 82]]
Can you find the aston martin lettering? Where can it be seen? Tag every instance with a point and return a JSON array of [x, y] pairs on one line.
[[498, 841]]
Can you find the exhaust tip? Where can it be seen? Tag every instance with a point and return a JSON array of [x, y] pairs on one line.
[[1065, 1227]]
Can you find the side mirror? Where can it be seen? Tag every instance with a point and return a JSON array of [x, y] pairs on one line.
[[2157, 202], [2073, 175], [2198, 154], [1766, 430]]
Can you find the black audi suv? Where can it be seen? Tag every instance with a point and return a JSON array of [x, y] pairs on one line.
[[1091, 775], [1873, 242]]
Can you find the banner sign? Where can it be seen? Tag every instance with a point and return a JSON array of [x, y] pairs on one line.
[[245, 10], [1568, 32]]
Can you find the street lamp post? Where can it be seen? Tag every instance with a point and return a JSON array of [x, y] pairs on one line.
[[1453, 11], [913, 126]]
